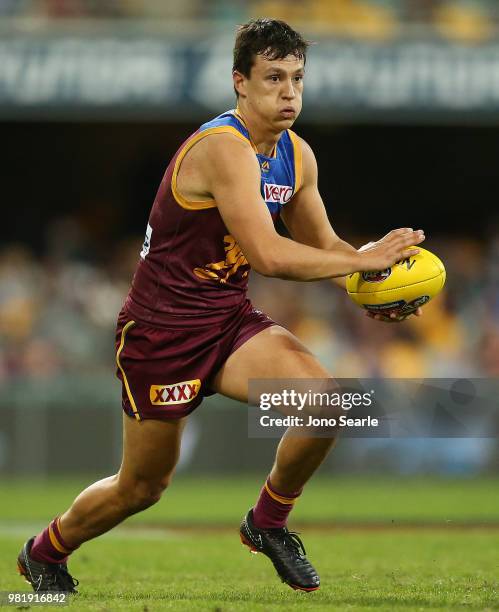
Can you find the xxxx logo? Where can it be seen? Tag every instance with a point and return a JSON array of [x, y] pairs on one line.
[[178, 393]]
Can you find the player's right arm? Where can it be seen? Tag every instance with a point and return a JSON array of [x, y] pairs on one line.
[[231, 174]]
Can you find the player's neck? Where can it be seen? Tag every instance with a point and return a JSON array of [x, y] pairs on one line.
[[263, 139]]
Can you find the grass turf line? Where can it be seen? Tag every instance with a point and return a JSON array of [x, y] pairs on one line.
[[326, 500], [441, 569], [359, 571]]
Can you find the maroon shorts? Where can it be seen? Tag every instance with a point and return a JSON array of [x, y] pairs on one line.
[[166, 372]]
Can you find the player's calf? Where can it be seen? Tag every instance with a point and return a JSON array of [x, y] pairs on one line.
[[97, 509], [107, 503]]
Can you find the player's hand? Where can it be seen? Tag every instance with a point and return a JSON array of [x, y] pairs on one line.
[[396, 245], [393, 317]]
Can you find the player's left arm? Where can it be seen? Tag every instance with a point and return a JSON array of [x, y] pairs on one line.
[[305, 215], [306, 219]]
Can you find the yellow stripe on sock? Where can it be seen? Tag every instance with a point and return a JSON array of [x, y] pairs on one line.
[[282, 500], [55, 542]]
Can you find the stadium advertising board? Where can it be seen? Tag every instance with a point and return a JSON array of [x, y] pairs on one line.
[[183, 78]]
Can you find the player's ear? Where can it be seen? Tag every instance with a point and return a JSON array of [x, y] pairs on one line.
[[239, 81]]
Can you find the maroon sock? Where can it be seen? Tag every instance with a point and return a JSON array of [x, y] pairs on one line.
[[272, 507], [49, 546]]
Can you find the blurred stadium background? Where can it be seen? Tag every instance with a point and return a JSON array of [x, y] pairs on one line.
[[401, 109]]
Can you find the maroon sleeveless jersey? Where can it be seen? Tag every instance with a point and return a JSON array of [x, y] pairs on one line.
[[191, 270]]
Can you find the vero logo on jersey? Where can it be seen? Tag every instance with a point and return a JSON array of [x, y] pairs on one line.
[[277, 193], [178, 393]]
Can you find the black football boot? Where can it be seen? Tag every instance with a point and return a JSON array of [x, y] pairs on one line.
[[52, 577], [286, 551]]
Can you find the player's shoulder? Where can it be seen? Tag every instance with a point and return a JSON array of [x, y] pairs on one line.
[[225, 146], [222, 150], [308, 161], [306, 149], [227, 118], [228, 123], [224, 132]]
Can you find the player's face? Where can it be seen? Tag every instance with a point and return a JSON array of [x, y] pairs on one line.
[[274, 90]]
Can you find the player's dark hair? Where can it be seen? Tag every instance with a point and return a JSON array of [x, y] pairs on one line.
[[271, 38]]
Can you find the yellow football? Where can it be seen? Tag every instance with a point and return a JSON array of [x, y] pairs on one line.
[[403, 288]]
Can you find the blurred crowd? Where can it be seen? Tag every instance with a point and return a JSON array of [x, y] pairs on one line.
[[468, 20], [58, 314]]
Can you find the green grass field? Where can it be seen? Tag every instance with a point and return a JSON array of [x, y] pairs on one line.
[[407, 544]]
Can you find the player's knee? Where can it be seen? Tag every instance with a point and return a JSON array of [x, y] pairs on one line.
[[141, 493]]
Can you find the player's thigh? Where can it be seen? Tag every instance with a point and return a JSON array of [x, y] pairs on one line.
[[150, 449], [272, 353]]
